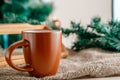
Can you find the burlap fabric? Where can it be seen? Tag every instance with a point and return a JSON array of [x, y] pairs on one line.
[[86, 63]]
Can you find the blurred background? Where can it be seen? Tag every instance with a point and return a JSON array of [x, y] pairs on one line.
[[41, 11]]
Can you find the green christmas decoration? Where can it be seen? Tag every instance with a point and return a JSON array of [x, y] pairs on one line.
[[96, 34], [23, 11], [26, 11]]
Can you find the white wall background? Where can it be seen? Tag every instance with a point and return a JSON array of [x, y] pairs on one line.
[[80, 11]]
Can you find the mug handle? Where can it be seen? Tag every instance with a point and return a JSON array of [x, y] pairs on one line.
[[9, 52]]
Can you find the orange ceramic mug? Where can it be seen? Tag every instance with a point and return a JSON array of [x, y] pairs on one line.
[[42, 50]]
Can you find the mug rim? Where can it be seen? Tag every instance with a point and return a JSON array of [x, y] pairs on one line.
[[40, 31]]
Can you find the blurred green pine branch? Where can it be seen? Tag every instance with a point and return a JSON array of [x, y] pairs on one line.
[[26, 11], [96, 34]]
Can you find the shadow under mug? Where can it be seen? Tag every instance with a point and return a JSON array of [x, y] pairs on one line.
[[42, 50]]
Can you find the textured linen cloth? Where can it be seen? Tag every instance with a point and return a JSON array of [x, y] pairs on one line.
[[91, 62]]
